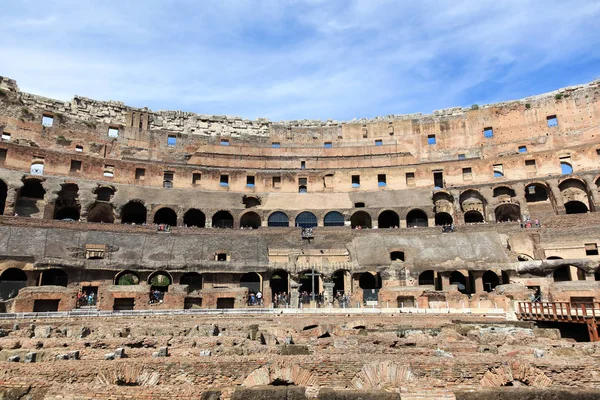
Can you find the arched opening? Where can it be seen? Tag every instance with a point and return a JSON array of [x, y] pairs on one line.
[[306, 219], [104, 193], [505, 278], [458, 279], [416, 218], [134, 213], [11, 281], [159, 281], [250, 220], [429, 277], [279, 283], [575, 207], [536, 192], [252, 281], [333, 218], [504, 191], [367, 280], [339, 279], [3, 194], [388, 219], [306, 282], [166, 216], [54, 277], [192, 279], [222, 219], [507, 213], [567, 273], [30, 200], [251, 201], [442, 219], [278, 219], [566, 168], [101, 213], [127, 278], [473, 217], [194, 217], [360, 220], [490, 280], [67, 205]]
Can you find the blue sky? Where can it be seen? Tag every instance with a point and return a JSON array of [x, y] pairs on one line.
[[299, 59]]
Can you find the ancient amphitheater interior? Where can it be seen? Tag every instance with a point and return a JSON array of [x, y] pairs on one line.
[[166, 254]]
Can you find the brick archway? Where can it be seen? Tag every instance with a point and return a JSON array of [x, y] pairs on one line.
[[507, 375], [381, 375], [291, 374]]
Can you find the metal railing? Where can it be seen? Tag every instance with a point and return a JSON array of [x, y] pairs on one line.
[[559, 311]]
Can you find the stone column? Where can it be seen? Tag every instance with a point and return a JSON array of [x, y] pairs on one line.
[[444, 279], [294, 295], [478, 278], [555, 192], [593, 190], [328, 292], [519, 189]]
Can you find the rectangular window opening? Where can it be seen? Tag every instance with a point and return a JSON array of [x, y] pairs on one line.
[[109, 171], [381, 180], [461, 157], [75, 166], [302, 164], [47, 121], [467, 174], [522, 149], [171, 140], [276, 145], [355, 181], [302, 185], [410, 179], [3, 155], [196, 178], [431, 139], [552, 121], [530, 163], [224, 142], [328, 145], [224, 181], [378, 142], [488, 132], [498, 171], [79, 148], [438, 179], [5, 136], [276, 181], [168, 178], [591, 249], [113, 132], [250, 181], [140, 173]]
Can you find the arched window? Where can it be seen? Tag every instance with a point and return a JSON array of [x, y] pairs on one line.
[[133, 213], [416, 218], [222, 219], [192, 279], [306, 220], [127, 278], [251, 280], [30, 198], [67, 205], [575, 207], [101, 212], [490, 280], [165, 216], [360, 219], [54, 277], [507, 212], [458, 279], [535, 192], [160, 281], [388, 219], [443, 218], [11, 281], [278, 219], [333, 218], [473, 217], [427, 278], [369, 281], [250, 220], [194, 217], [565, 168]]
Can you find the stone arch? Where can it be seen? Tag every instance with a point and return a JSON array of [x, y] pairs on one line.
[[250, 219], [503, 193], [222, 219], [443, 218], [515, 371], [416, 218], [361, 219], [101, 212], [30, 198], [54, 277], [473, 217], [165, 215], [507, 212], [472, 200], [490, 280], [281, 372], [134, 212], [278, 219], [3, 195], [160, 280], [459, 279], [536, 192], [127, 278], [194, 217], [11, 281], [566, 273], [388, 219], [306, 282], [306, 219], [128, 374], [369, 280], [382, 375], [67, 204], [104, 192], [573, 192], [443, 204], [334, 218], [279, 282], [252, 281], [341, 281]]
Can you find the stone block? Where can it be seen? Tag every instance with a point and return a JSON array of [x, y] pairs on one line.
[[30, 357], [119, 353], [14, 359], [62, 357], [294, 350], [73, 355], [162, 352], [205, 353], [109, 356]]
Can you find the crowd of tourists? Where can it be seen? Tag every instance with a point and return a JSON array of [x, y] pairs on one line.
[[528, 223], [281, 300], [255, 299], [341, 300]]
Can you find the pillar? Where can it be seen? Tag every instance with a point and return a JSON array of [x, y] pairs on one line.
[[328, 292], [555, 192], [478, 278], [294, 295]]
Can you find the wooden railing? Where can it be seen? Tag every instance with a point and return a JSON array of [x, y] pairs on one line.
[[559, 311]]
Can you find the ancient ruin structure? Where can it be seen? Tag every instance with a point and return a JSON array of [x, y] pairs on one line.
[[106, 207]]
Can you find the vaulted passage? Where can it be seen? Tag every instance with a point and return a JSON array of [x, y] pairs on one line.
[[252, 281], [194, 217], [250, 220], [166, 216], [54, 276], [361, 219], [490, 280], [279, 282], [192, 279], [11, 281], [134, 213], [67, 205], [101, 212], [388, 219], [30, 200], [473, 217], [222, 219], [575, 207], [416, 218], [339, 279], [443, 218], [536, 193], [508, 213]]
